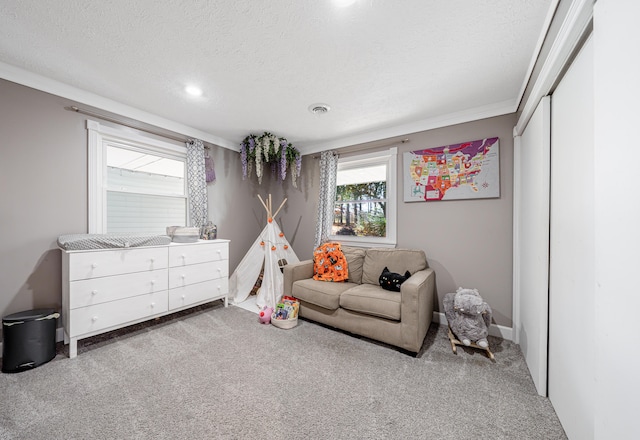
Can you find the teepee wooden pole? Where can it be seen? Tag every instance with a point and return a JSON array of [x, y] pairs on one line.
[[268, 205], [281, 205], [263, 204]]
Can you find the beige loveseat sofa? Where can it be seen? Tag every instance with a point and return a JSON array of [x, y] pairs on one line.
[[360, 305]]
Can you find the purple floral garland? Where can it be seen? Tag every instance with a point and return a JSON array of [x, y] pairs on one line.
[[271, 150]]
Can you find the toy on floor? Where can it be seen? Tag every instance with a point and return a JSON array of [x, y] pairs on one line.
[[286, 313], [265, 315], [469, 318]]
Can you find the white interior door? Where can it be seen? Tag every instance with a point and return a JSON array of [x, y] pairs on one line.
[[531, 243], [572, 256]]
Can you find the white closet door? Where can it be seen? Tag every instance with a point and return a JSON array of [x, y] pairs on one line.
[[572, 257], [531, 243]]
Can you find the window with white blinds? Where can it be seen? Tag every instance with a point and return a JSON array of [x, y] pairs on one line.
[[136, 184], [142, 201]]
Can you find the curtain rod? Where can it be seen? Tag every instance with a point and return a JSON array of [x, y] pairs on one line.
[[76, 109], [347, 150]]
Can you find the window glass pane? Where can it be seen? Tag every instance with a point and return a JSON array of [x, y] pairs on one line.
[[361, 174], [361, 200], [143, 162], [362, 191], [365, 204], [120, 179], [362, 219], [140, 213], [134, 171]]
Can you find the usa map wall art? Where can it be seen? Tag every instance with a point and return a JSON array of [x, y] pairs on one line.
[[469, 170]]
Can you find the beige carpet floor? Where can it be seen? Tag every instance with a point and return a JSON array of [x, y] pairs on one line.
[[217, 373]]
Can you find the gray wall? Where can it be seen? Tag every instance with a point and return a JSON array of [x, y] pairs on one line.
[[43, 181], [43, 194], [468, 242]]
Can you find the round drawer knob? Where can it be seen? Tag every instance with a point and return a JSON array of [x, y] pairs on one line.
[[183, 297], [153, 305], [153, 259], [183, 276], [153, 282], [94, 265], [94, 319]]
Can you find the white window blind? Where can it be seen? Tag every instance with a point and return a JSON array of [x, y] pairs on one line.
[[142, 213], [136, 184]]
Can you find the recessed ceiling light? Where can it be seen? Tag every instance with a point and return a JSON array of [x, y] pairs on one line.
[[319, 109], [193, 90]]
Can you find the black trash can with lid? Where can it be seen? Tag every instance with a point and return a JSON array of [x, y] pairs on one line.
[[28, 339]]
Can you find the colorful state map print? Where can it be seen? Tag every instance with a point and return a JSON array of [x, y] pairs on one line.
[[468, 170]]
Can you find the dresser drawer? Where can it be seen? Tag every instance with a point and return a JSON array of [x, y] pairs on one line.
[[197, 273], [116, 313], [84, 265], [182, 255], [84, 293], [193, 293]]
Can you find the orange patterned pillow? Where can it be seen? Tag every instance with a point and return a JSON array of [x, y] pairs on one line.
[[329, 263]]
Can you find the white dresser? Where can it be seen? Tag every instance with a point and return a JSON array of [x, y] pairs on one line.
[[103, 290]]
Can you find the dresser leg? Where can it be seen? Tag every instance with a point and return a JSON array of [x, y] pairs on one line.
[[226, 300], [73, 347]]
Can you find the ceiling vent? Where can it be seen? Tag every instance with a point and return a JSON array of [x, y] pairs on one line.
[[319, 109]]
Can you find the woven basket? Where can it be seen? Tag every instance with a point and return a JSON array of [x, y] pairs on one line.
[[284, 323]]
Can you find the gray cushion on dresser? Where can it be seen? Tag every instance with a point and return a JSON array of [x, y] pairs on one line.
[[81, 242]]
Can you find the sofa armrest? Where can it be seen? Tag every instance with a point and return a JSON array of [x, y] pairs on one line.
[[416, 306], [296, 271]]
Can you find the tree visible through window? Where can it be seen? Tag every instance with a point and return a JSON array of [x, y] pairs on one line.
[[361, 209], [364, 209]]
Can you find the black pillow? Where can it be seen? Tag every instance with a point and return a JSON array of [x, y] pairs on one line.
[[391, 281]]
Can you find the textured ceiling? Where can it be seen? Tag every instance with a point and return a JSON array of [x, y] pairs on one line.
[[382, 66]]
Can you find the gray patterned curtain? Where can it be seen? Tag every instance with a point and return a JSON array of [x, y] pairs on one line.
[[327, 197], [196, 183]]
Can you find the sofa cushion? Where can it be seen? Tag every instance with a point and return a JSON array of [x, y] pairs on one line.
[[320, 293], [355, 260], [397, 260], [372, 300]]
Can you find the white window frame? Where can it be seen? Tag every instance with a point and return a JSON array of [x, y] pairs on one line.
[[389, 158], [99, 137]]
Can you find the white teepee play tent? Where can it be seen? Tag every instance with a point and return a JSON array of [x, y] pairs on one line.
[[270, 247]]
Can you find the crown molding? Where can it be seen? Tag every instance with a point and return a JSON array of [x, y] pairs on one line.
[[48, 85], [474, 114]]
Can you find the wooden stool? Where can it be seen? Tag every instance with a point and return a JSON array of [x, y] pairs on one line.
[[455, 342]]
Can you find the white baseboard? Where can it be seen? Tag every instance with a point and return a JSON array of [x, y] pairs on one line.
[[59, 337], [499, 331]]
